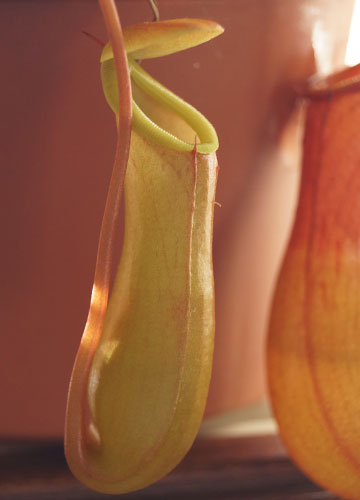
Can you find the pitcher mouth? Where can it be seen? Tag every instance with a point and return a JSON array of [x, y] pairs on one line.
[[159, 114], [344, 81]]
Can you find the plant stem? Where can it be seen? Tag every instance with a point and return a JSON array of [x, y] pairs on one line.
[[113, 202], [100, 291]]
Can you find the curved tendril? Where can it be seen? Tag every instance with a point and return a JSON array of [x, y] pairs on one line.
[[94, 38], [112, 207], [77, 403], [155, 10]]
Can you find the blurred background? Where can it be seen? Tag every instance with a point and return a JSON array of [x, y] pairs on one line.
[[57, 144]]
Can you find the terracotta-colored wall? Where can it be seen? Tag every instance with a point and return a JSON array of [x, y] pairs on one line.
[[56, 148]]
